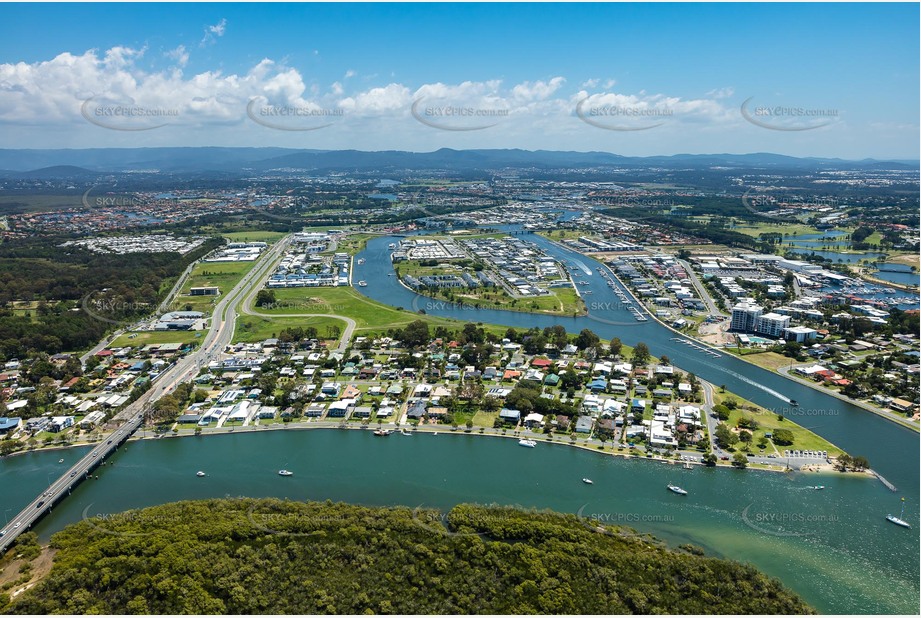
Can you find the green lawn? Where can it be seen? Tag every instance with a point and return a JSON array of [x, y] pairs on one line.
[[251, 328], [768, 421], [157, 337], [353, 243], [224, 275], [255, 236], [369, 315], [792, 229], [565, 234]]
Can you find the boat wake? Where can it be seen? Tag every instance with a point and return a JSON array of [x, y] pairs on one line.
[[582, 265], [748, 380]]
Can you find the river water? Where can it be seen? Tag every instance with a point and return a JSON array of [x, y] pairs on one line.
[[833, 547]]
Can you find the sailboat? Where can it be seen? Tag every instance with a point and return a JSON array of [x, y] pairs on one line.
[[898, 521], [677, 490]]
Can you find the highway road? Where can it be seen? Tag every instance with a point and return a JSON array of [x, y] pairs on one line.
[[61, 487], [132, 416]]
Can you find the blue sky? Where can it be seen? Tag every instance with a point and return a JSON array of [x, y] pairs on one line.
[[836, 80]]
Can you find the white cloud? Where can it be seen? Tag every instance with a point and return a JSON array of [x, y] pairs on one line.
[[214, 32], [180, 55], [48, 96], [721, 93], [527, 91]]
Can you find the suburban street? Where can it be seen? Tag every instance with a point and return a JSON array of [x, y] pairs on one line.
[[131, 417]]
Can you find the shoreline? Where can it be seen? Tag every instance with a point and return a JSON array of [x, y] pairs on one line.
[[906, 424], [463, 306], [818, 467]]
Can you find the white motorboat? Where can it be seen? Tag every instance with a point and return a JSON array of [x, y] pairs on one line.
[[285, 473], [587, 481], [527, 443], [199, 473]]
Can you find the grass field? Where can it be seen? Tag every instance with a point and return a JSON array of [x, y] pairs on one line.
[[908, 259], [564, 234], [352, 244], [255, 236], [224, 275], [37, 203], [157, 336], [768, 421], [792, 229], [769, 360], [369, 315], [251, 328]]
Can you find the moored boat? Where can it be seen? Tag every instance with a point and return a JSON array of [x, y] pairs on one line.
[[527, 443], [898, 521], [677, 490]]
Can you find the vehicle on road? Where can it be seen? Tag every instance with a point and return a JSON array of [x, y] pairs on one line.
[[40, 504], [17, 525]]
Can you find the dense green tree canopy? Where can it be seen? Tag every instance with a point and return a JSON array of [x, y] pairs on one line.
[[249, 556]]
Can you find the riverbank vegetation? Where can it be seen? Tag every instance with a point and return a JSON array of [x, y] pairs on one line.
[[249, 556]]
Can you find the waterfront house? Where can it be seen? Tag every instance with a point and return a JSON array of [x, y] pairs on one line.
[[9, 424], [416, 409], [510, 416], [340, 409], [362, 412], [533, 420], [584, 424]]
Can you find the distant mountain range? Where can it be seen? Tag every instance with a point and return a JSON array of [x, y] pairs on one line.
[[95, 161]]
